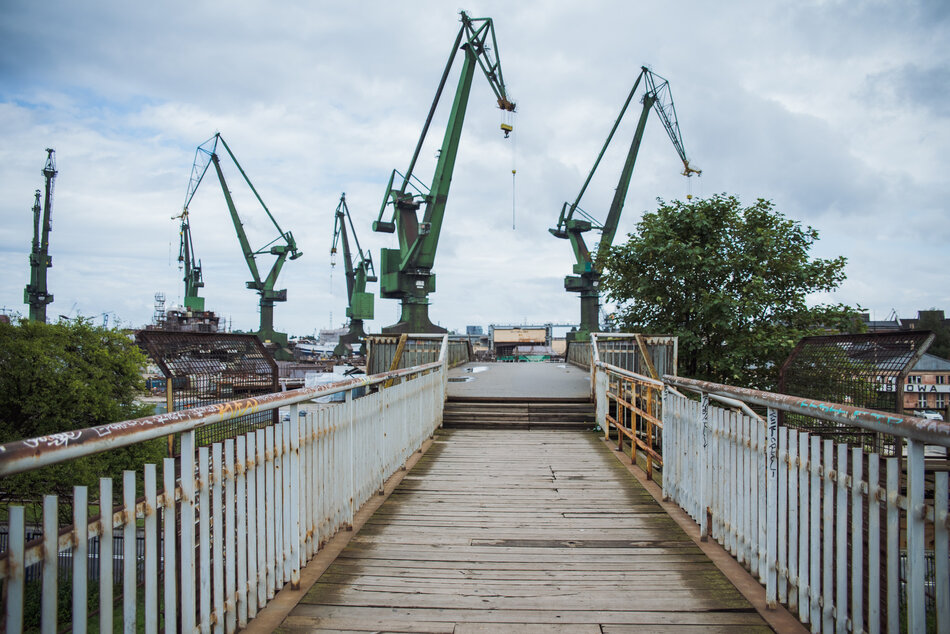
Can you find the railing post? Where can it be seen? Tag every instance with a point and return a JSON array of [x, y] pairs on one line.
[[600, 400], [80, 554], [703, 468], [916, 512], [51, 563], [16, 581], [771, 514], [294, 497], [187, 445]]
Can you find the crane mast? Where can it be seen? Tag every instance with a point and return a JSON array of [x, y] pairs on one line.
[[282, 247], [358, 269], [36, 294], [192, 267], [587, 267], [406, 272]]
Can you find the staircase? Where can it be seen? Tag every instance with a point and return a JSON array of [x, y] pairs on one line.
[[489, 413]]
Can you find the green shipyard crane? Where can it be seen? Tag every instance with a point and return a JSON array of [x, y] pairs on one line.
[[587, 269], [359, 270], [192, 267], [406, 272], [282, 246], [36, 294]]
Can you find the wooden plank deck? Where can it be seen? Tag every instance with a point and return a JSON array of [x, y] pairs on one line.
[[524, 531]]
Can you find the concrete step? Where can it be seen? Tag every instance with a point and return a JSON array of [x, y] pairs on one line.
[[479, 413]]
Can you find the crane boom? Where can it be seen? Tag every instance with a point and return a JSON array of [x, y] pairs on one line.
[[36, 294], [358, 269], [406, 272], [283, 246], [586, 278]]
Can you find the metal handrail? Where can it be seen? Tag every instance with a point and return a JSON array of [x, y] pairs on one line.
[[910, 427], [31, 453]]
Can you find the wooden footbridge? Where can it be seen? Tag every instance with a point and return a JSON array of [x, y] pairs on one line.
[[517, 518], [439, 495]]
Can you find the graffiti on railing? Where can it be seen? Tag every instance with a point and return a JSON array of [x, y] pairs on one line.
[[773, 440], [54, 440], [236, 409]]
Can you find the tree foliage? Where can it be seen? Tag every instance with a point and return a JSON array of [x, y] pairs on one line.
[[730, 282], [62, 377], [933, 320]]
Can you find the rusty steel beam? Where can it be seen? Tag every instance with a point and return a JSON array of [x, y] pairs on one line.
[[24, 455], [920, 429]]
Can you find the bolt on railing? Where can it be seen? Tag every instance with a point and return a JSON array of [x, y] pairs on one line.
[[234, 522]]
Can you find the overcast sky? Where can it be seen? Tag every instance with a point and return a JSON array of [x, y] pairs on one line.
[[839, 112]]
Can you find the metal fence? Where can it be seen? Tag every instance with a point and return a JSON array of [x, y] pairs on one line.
[[413, 349], [819, 523], [861, 370], [207, 368], [234, 521]]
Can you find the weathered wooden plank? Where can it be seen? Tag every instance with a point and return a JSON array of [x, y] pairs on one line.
[[520, 531], [322, 615]]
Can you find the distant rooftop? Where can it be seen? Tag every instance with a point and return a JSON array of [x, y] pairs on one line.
[[931, 363]]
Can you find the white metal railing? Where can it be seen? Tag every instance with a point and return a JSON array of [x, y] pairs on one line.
[[811, 518], [233, 522]]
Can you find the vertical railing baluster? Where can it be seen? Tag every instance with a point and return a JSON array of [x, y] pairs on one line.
[[804, 548], [278, 507], [217, 540], [916, 512], [841, 540], [240, 468], [294, 498], [771, 460], [746, 486], [261, 466], [204, 539], [150, 611], [793, 521], [188, 500], [289, 503], [941, 554], [782, 572], [253, 537], [129, 563], [762, 496], [814, 576], [50, 564], [755, 480], [874, 544], [106, 560], [15, 582], [230, 540], [893, 543], [703, 467], [827, 534], [250, 582], [169, 597], [270, 518], [857, 540], [80, 613]]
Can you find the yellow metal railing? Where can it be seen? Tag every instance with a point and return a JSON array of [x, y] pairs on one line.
[[634, 409]]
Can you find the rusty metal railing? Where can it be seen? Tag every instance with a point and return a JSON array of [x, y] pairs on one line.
[[232, 523], [633, 409], [804, 513]]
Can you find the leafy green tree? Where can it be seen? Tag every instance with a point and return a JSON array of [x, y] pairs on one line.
[[933, 320], [730, 282], [62, 377]]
